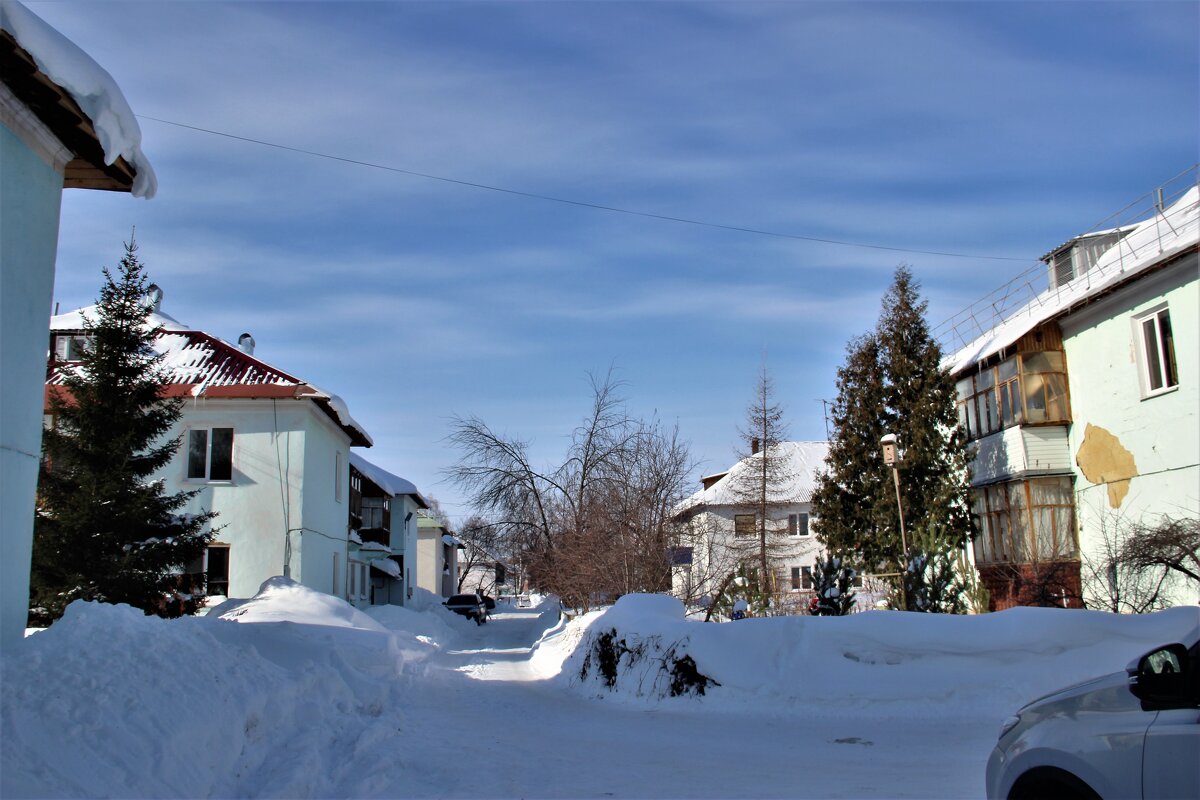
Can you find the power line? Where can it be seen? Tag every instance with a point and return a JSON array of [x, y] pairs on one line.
[[582, 203]]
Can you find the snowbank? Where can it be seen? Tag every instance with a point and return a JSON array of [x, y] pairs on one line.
[[108, 702], [935, 664]]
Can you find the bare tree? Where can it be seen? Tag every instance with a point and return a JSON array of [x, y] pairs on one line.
[[596, 524], [1135, 565], [769, 478]]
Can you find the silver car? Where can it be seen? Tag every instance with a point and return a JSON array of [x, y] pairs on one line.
[[1131, 734]]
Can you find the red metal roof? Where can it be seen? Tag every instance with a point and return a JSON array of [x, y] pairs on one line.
[[201, 365]]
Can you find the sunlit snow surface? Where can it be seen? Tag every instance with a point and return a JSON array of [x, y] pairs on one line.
[[296, 694]]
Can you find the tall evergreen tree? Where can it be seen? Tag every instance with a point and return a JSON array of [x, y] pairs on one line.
[[893, 382], [104, 530]]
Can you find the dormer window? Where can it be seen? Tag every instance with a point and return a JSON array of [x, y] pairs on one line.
[[70, 347], [1080, 254]]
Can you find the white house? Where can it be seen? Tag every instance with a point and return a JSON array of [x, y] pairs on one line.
[[437, 557], [1083, 404], [383, 548], [268, 451], [719, 529], [63, 123]]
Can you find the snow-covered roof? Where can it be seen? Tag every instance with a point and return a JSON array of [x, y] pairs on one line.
[[386, 566], [805, 460], [392, 484], [1159, 238], [89, 85], [199, 364], [453, 541]]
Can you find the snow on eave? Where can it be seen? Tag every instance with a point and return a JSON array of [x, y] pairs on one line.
[[806, 460], [1155, 241], [89, 85], [73, 320], [453, 541], [392, 484], [338, 409]]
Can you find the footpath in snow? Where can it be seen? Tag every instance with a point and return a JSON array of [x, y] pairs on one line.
[[297, 694]]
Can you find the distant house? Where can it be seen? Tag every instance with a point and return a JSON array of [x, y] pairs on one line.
[[1083, 405], [719, 528], [63, 123], [383, 547], [266, 450], [437, 557]]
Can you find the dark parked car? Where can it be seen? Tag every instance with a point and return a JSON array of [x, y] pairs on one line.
[[470, 606]]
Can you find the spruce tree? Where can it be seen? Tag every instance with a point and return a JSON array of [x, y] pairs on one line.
[[833, 584], [893, 382], [104, 530]]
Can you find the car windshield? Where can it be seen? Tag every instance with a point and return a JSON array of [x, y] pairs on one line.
[[464, 599]]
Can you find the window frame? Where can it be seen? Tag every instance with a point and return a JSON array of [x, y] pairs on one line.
[[208, 583], [1161, 363], [997, 397], [209, 443], [1010, 514], [738, 527], [794, 527]]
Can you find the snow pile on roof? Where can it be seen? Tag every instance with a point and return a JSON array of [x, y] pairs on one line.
[[805, 460], [392, 484], [870, 661], [89, 85], [342, 412], [1162, 236], [73, 320], [387, 567], [199, 360]]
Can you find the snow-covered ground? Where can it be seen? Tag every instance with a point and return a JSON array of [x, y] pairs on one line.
[[296, 694]]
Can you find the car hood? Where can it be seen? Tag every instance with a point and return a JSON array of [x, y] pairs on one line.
[[1106, 693]]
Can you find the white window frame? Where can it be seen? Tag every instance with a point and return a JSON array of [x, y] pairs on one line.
[[1146, 371], [208, 445]]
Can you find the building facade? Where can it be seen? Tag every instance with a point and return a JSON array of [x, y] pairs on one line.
[[1082, 407]]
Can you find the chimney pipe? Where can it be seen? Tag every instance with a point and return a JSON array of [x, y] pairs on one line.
[[754, 446], [246, 343], [154, 294]]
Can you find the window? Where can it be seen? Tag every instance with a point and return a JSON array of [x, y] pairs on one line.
[[1157, 352], [337, 476], [210, 454], [797, 524], [1029, 388], [802, 578], [744, 524], [216, 570], [372, 512], [70, 347], [1025, 521], [335, 574]]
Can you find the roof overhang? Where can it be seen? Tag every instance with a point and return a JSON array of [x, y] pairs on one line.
[[59, 112]]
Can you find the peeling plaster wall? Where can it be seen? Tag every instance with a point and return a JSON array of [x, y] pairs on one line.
[[1137, 457]]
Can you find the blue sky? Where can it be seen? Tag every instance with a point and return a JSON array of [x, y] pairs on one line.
[[992, 129]]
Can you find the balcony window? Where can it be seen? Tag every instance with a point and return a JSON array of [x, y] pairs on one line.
[[1025, 521], [1030, 388]]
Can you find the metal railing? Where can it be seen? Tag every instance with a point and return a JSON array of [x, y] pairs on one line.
[[1033, 286]]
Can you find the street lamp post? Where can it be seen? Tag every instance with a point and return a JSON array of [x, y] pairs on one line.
[[891, 457]]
